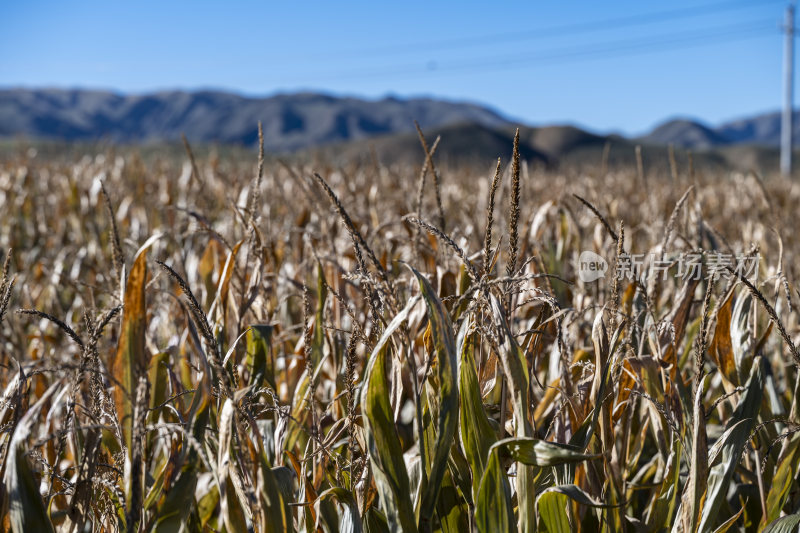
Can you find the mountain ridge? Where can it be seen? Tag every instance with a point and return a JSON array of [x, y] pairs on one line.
[[303, 121], [292, 121], [761, 130]]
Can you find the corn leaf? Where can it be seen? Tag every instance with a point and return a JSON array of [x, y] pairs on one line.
[[383, 442], [444, 347], [131, 358], [553, 512], [782, 480], [493, 510], [741, 424], [450, 507], [318, 339], [26, 510], [727, 524], [349, 521], [536, 452], [695, 490], [232, 512], [721, 348], [516, 372], [787, 524], [259, 355], [177, 500], [577, 494], [475, 432]]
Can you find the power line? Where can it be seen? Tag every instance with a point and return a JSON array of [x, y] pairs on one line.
[[554, 31], [664, 41], [603, 50]]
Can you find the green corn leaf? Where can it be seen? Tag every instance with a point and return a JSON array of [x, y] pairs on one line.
[[475, 432], [209, 500], [460, 471], [516, 372], [259, 355], [450, 507], [375, 521], [158, 378], [26, 510], [577, 494], [349, 521], [277, 514], [383, 442], [782, 480], [494, 495], [493, 510], [553, 512], [787, 524], [741, 424], [444, 346], [173, 494], [536, 452], [177, 500]]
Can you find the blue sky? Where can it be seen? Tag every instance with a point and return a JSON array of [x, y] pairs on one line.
[[608, 66]]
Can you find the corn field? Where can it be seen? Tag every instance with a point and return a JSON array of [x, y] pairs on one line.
[[224, 344]]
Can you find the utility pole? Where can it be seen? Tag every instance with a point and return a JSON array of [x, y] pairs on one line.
[[788, 78]]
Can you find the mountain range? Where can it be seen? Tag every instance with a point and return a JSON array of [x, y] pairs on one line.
[[761, 130], [291, 121], [303, 121]]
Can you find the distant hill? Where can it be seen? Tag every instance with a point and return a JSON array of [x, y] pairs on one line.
[[291, 121], [557, 141], [760, 130], [338, 127], [686, 134], [466, 142], [544, 147]]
